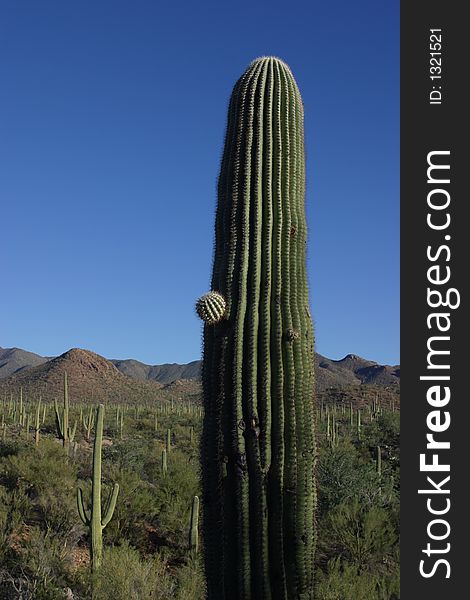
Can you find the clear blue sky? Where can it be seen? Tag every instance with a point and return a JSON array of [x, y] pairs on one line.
[[112, 117]]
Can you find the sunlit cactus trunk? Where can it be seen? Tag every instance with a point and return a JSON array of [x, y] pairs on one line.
[[258, 444]]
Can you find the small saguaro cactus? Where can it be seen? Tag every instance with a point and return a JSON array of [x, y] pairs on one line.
[[379, 461], [164, 462], [194, 526], [168, 441], [37, 427], [121, 424], [88, 423], [64, 431], [20, 416], [93, 518]]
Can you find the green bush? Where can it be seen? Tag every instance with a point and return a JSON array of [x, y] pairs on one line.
[[362, 536], [191, 582], [137, 505], [46, 479], [125, 576], [343, 581]]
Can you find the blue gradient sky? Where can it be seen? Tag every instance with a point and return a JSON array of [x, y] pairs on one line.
[[112, 117]]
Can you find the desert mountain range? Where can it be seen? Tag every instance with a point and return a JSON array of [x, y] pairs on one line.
[[93, 376]]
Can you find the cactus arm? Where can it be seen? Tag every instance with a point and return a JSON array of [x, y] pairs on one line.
[[110, 505], [81, 507]]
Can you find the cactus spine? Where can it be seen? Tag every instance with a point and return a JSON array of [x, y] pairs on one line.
[[259, 445], [94, 519]]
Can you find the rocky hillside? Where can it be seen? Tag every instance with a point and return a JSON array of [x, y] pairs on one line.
[[163, 373], [91, 378], [354, 370], [15, 360]]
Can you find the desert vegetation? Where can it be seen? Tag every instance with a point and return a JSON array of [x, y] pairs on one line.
[[152, 545]]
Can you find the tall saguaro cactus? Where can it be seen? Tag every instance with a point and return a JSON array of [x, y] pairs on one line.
[[258, 446], [94, 519]]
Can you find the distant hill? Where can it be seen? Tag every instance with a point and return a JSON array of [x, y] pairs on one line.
[[91, 378], [14, 360], [163, 373], [352, 370]]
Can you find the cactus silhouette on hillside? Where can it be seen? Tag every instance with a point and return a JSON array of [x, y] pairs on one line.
[[258, 444]]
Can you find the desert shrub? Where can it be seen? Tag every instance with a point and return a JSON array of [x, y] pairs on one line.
[[383, 431], [175, 492], [136, 505], [37, 567], [363, 536], [344, 581], [15, 508], [191, 582], [344, 474], [44, 560], [9, 448], [45, 478], [127, 454], [126, 576]]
